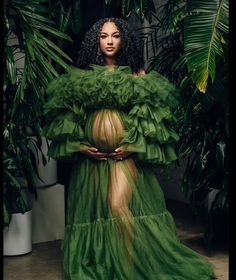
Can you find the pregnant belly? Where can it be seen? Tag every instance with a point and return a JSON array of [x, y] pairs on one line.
[[107, 130]]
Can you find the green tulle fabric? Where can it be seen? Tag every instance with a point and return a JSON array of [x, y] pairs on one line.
[[118, 227]]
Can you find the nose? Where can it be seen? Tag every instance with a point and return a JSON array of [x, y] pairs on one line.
[[110, 41]]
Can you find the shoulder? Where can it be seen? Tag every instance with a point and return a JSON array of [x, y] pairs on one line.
[[141, 72]]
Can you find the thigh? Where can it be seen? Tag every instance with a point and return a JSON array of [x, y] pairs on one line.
[[122, 182]]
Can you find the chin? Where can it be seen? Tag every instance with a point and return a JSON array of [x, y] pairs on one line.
[[110, 54]]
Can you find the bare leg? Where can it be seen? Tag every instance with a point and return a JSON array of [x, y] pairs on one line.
[[120, 192]]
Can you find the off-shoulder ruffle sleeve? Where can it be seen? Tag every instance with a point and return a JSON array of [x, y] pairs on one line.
[[150, 123], [65, 115], [149, 100]]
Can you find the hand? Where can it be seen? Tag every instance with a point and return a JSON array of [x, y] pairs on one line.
[[93, 153], [120, 154]]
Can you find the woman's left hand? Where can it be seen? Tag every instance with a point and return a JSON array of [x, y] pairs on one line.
[[119, 154]]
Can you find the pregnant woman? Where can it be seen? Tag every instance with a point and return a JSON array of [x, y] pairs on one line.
[[116, 121]]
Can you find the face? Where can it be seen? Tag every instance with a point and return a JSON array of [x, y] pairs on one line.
[[110, 41]]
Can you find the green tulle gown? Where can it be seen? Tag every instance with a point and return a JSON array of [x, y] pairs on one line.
[[118, 227]]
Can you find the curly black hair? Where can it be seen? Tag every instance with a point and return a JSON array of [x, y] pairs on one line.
[[129, 54]]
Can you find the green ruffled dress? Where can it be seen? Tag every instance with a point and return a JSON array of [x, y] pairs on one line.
[[118, 227]]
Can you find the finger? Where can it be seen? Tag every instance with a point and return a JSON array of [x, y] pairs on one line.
[[118, 150], [112, 154], [118, 158], [117, 153], [98, 154], [92, 149], [102, 158]]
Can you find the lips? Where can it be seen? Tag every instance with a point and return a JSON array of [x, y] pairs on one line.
[[110, 49]]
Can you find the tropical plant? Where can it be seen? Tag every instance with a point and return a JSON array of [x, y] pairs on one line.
[[195, 43], [205, 134], [67, 16], [27, 71], [143, 9]]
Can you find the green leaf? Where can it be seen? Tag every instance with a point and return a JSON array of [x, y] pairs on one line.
[[10, 64], [35, 17], [143, 9], [54, 31], [63, 18], [76, 19], [12, 179], [185, 82], [220, 153], [20, 91], [44, 64], [38, 132], [41, 75], [51, 54], [29, 44], [204, 28], [6, 216], [54, 47], [6, 25]]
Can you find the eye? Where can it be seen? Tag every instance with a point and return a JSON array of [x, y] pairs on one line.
[[116, 36], [103, 36]]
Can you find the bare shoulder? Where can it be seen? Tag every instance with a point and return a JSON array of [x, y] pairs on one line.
[[141, 72]]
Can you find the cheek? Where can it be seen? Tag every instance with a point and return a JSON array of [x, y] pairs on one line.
[[101, 44], [118, 44]]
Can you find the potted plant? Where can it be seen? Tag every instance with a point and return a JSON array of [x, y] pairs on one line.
[[16, 207], [28, 53]]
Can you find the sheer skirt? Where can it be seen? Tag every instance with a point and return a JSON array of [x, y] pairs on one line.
[[118, 226]]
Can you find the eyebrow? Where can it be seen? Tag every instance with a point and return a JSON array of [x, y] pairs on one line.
[[111, 34]]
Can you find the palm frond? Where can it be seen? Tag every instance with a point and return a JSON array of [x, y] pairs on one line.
[[143, 9], [205, 26], [30, 39]]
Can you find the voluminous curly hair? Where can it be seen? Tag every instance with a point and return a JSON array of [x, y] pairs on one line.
[[129, 54]]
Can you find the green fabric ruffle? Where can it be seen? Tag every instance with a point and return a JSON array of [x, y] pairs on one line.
[[160, 257], [147, 100]]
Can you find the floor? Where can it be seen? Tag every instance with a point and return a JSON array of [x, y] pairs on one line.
[[43, 263]]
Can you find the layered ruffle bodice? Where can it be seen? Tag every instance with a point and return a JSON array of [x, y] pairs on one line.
[[148, 102]]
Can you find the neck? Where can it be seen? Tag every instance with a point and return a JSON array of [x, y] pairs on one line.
[[110, 61]]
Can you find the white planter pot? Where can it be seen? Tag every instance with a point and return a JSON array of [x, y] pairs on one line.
[[17, 237], [48, 172]]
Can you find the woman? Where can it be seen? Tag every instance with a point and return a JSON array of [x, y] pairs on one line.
[[115, 121]]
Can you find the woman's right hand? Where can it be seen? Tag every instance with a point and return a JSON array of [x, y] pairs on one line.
[[93, 153]]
